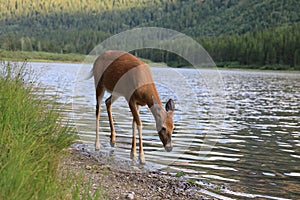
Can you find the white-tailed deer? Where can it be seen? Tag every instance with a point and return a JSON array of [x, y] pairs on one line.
[[122, 74]]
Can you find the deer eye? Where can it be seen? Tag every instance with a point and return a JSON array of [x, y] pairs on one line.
[[163, 129]]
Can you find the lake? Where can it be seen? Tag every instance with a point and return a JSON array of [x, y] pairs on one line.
[[239, 133]]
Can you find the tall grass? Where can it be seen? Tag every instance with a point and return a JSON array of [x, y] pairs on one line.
[[32, 140]]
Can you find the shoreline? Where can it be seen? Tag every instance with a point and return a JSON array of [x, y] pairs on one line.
[[34, 56], [127, 182]]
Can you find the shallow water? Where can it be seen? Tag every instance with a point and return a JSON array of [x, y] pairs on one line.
[[240, 131]]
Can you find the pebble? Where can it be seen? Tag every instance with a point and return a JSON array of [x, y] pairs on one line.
[[105, 167], [150, 185], [130, 195], [88, 167]]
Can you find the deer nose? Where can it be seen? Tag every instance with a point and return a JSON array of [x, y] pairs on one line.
[[169, 147]]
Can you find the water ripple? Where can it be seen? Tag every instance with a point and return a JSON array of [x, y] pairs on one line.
[[255, 149]]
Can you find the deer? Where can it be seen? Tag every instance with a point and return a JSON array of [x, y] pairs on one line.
[[123, 75]]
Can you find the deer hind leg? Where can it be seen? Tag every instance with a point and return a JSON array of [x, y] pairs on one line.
[[99, 96], [108, 103], [136, 124], [133, 143]]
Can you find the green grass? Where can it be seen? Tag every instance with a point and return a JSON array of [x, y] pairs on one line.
[[237, 65], [79, 58], [40, 56], [180, 174], [33, 139]]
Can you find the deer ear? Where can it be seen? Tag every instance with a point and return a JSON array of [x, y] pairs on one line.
[[170, 105]]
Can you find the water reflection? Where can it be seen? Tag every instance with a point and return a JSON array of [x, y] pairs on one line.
[[257, 154]]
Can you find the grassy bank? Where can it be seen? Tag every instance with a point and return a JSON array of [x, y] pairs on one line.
[[33, 139], [40, 56], [237, 65], [75, 58]]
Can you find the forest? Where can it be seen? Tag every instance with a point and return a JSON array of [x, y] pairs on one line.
[[256, 33]]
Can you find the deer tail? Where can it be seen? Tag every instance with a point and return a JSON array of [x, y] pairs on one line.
[[89, 75]]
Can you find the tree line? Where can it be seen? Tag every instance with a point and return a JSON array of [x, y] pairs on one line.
[[274, 46], [246, 32]]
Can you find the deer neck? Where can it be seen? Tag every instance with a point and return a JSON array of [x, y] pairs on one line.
[[159, 115]]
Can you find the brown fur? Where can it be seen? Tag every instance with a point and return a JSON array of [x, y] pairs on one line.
[[113, 67]]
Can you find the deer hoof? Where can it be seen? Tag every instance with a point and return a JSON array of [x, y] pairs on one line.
[[97, 146], [132, 156], [142, 159], [112, 144], [112, 138]]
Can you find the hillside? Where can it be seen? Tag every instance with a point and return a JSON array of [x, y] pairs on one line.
[[73, 26]]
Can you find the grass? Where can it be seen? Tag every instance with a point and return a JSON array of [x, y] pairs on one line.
[[40, 56], [33, 139], [37, 56], [180, 174], [237, 65]]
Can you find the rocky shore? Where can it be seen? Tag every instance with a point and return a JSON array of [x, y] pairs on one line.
[[119, 181]]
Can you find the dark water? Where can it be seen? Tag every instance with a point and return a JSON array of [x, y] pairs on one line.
[[246, 143]]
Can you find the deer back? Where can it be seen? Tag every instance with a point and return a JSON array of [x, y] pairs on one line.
[[123, 74]]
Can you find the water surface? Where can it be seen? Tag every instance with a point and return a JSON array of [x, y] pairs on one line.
[[250, 150]]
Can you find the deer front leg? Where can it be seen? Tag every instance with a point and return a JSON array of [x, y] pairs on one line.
[[133, 144], [108, 103], [142, 156], [137, 122]]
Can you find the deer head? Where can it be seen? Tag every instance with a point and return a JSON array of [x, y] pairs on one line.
[[164, 122]]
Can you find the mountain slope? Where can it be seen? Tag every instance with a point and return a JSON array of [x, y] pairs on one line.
[[72, 26]]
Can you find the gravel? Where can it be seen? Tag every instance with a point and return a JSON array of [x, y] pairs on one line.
[[125, 181]]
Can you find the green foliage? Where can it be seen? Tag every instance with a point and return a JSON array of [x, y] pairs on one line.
[[274, 46], [180, 174], [248, 32], [191, 181], [32, 140], [158, 55]]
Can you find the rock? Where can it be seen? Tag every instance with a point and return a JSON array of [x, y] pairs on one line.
[[105, 167], [95, 186], [88, 167], [125, 183], [130, 195]]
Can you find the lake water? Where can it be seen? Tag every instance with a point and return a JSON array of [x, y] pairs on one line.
[[239, 133]]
